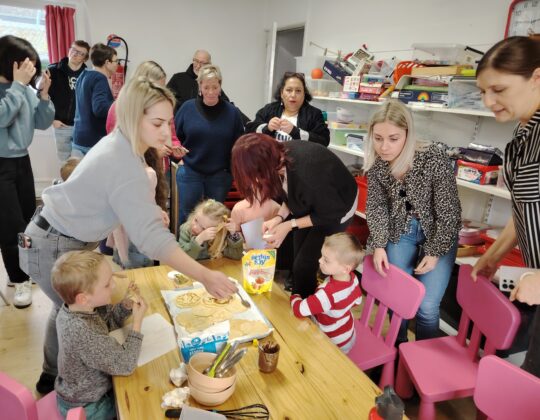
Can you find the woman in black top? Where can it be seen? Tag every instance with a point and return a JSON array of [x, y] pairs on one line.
[[291, 117], [509, 78], [319, 196]]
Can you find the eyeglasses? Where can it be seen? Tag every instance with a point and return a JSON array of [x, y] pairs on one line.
[[289, 74], [76, 52], [408, 205], [201, 63]]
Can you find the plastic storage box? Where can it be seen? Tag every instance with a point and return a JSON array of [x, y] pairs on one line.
[[445, 53], [463, 93], [338, 136], [322, 87]]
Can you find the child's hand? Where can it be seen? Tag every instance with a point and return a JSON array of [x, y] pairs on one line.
[[206, 235], [232, 227], [44, 84], [139, 309], [133, 295], [23, 73]]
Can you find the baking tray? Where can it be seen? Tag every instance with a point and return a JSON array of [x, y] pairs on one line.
[[253, 314]]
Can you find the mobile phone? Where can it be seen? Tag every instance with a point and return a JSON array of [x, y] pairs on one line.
[[24, 240]]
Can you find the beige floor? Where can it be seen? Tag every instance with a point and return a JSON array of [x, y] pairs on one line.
[[21, 341]]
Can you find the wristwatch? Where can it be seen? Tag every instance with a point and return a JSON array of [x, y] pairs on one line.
[[294, 225]]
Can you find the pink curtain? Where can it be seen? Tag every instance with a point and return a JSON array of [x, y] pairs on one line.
[[60, 27]]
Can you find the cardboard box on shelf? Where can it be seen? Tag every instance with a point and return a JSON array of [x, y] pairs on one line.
[[476, 173], [439, 70], [335, 71]]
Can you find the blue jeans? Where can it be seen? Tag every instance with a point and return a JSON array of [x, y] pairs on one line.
[[102, 409], [63, 137], [406, 254], [194, 186], [79, 151], [135, 258]]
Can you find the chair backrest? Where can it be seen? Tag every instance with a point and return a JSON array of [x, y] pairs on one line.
[[16, 401], [77, 413], [504, 391], [492, 314], [397, 291]]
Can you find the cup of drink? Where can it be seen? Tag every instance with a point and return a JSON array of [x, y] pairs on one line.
[[268, 356]]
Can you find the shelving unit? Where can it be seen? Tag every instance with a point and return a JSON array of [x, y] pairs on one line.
[[459, 111], [486, 189]]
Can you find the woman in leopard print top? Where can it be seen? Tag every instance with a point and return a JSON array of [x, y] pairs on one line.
[[413, 210]]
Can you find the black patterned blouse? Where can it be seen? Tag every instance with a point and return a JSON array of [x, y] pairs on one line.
[[428, 191]]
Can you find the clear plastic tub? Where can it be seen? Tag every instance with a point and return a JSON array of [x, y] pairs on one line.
[[322, 87], [444, 53]]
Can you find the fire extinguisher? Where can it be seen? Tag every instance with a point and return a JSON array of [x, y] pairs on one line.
[[119, 77]]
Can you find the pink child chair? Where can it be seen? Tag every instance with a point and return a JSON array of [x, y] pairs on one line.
[[504, 391], [446, 368], [399, 292], [17, 403]]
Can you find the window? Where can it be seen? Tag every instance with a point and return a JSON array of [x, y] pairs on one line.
[[28, 24]]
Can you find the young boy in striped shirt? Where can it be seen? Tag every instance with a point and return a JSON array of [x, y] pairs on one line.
[[331, 303]]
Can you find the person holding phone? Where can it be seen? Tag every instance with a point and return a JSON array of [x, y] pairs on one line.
[[21, 111]]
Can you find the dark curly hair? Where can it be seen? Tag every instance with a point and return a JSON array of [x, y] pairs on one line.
[[288, 75]]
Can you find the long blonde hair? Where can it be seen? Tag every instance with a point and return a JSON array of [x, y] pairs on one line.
[[151, 70], [397, 114], [210, 208], [134, 99]]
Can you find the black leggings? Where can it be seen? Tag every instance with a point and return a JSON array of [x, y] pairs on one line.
[[307, 244], [532, 358], [18, 197]]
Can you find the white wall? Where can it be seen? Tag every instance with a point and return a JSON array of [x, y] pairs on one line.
[[169, 31]]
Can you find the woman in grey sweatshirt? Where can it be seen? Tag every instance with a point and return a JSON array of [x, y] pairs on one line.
[[107, 189]]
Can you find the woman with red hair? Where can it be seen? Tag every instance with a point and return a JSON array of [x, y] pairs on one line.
[[318, 195]]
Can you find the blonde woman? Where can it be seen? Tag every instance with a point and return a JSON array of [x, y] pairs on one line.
[[413, 210], [108, 188], [208, 127]]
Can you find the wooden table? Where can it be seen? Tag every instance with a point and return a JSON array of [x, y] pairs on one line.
[[314, 380]]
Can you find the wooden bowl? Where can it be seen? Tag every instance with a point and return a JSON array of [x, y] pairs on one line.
[[200, 361]]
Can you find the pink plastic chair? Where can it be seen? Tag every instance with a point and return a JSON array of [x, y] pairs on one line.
[[399, 292], [445, 368], [504, 391], [17, 403]]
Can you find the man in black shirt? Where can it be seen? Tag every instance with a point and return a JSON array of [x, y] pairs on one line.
[[64, 75]]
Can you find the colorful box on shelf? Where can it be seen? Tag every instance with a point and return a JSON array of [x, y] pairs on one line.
[[335, 71], [407, 96], [476, 173], [351, 83], [349, 95]]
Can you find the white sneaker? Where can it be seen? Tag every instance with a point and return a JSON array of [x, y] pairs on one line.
[[23, 295]]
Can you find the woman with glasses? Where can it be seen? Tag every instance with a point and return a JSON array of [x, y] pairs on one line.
[[208, 127], [21, 111], [413, 210], [509, 78], [108, 188], [291, 117]]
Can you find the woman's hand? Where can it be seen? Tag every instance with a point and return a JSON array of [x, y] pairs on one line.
[[58, 124], [380, 261], [277, 235], [485, 266], [271, 224], [427, 264], [23, 73], [178, 152], [274, 124], [44, 84], [218, 284], [527, 290], [286, 126], [165, 218], [206, 235]]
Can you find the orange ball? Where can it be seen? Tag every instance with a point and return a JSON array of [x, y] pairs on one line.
[[316, 73]]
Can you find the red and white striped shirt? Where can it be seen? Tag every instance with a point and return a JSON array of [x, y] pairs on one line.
[[331, 306]]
